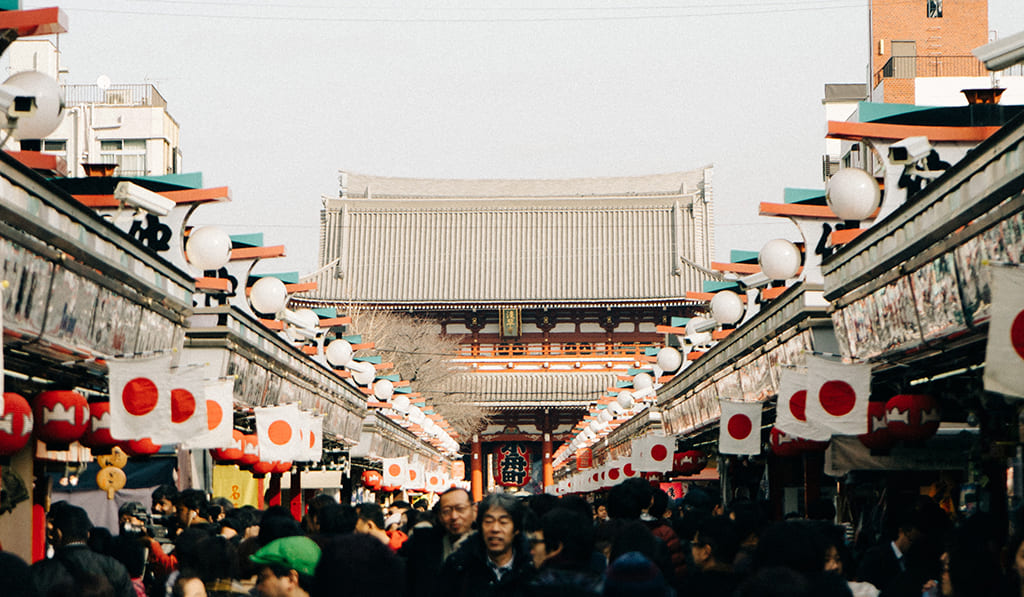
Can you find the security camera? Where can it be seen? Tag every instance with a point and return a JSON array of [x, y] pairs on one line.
[[757, 280], [909, 150], [129, 193], [1002, 53], [15, 102]]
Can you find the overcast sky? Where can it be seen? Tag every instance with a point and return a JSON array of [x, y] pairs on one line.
[[273, 98]]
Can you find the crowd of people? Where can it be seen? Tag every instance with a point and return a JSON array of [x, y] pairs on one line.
[[633, 541]]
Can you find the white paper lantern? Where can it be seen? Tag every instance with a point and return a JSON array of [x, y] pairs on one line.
[[268, 295], [363, 373], [604, 416], [339, 352], [852, 194], [643, 381], [669, 359], [615, 409], [625, 400], [208, 248], [726, 307], [383, 389], [779, 259], [49, 101], [401, 403]]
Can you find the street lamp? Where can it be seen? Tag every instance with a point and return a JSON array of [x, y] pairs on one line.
[[853, 194]]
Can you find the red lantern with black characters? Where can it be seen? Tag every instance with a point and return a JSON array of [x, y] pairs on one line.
[[232, 454], [689, 462], [15, 424], [878, 436], [140, 447], [372, 479], [912, 417], [250, 450], [61, 417], [97, 437]]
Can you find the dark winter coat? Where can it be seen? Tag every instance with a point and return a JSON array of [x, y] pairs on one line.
[[466, 572]]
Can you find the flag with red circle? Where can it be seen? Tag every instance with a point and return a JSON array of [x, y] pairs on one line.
[[791, 410], [311, 436], [435, 481], [220, 418], [653, 454], [140, 396], [1004, 350], [739, 431], [396, 471], [188, 407], [277, 428], [837, 396], [417, 476]]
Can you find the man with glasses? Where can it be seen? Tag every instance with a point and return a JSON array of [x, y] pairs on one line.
[[428, 547]]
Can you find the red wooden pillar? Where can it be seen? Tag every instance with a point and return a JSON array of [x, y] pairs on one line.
[[476, 478], [273, 489], [295, 493], [546, 449]]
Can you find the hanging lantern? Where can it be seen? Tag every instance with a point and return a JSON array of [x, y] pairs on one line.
[[878, 436], [689, 462], [339, 352], [262, 469], [282, 467], [268, 295], [250, 450], [372, 479], [15, 424], [852, 194], [390, 488], [912, 417], [208, 248], [140, 447], [232, 454], [61, 417], [97, 437]]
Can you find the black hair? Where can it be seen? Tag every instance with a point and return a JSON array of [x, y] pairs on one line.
[[372, 513], [719, 532], [659, 503], [195, 499], [168, 492], [127, 550], [507, 503], [72, 522], [469, 496], [576, 503], [364, 566], [337, 519], [573, 531], [400, 504], [541, 503], [629, 499]]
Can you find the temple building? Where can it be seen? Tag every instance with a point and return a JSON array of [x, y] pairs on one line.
[[555, 288]]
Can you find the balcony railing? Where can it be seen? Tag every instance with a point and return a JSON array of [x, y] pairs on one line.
[[564, 349], [912, 67], [142, 94]]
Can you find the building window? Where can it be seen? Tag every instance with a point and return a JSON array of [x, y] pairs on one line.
[[128, 154], [934, 9], [57, 148]]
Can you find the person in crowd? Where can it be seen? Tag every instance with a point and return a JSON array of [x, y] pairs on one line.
[[654, 518], [131, 518], [73, 563], [838, 560], [313, 510], [286, 567], [907, 562], [188, 586], [216, 564], [496, 559], [15, 574], [1014, 578], [714, 548], [421, 505], [276, 523], [337, 519], [371, 522], [428, 548], [561, 549], [359, 566], [600, 513], [629, 501], [750, 521], [192, 509], [633, 574], [164, 498], [127, 549], [403, 511]]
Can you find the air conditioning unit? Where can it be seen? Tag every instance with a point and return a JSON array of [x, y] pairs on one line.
[[829, 166]]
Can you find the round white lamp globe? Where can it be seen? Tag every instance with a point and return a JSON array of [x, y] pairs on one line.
[[362, 373], [268, 295], [416, 415], [208, 248], [604, 417], [852, 194], [779, 259], [615, 409], [383, 389], [625, 400], [643, 381], [339, 352], [697, 338], [49, 105], [726, 307], [669, 359], [401, 403]]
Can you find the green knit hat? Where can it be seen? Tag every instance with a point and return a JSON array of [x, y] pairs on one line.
[[293, 553]]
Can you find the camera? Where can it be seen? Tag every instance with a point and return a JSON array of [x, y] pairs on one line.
[[909, 150]]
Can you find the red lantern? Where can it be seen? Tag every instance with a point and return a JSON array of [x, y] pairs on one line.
[[262, 468], [61, 417], [785, 445], [282, 467], [15, 424], [250, 450], [912, 417], [878, 436], [97, 437], [372, 479], [689, 462], [140, 447], [232, 454], [390, 488]]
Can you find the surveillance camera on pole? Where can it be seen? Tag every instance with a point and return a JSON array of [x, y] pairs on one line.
[[1002, 53], [131, 194], [909, 151]]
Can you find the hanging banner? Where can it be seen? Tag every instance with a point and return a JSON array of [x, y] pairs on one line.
[[1004, 351], [512, 465], [140, 396], [236, 485], [219, 417], [739, 431], [837, 396]]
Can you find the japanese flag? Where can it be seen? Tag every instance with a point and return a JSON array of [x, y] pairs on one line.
[[396, 471], [188, 407], [277, 428], [435, 482], [739, 431], [614, 473], [837, 396], [219, 417], [791, 412], [1004, 351], [140, 396], [653, 454], [417, 477], [629, 471], [311, 437]]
